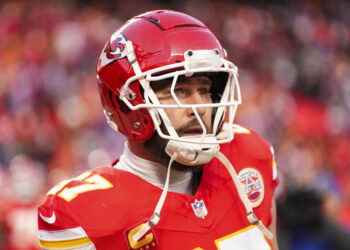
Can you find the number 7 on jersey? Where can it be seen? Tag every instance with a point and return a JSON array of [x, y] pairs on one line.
[[92, 182]]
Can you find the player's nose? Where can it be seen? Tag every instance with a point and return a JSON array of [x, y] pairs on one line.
[[196, 98]]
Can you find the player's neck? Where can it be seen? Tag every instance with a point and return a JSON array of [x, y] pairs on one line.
[[139, 150], [155, 173]]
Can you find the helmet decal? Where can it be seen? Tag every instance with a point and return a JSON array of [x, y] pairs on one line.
[[114, 49]]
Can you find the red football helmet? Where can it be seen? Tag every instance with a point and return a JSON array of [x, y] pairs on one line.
[[155, 46]]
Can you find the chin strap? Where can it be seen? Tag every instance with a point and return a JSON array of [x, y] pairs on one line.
[[250, 214], [155, 218]]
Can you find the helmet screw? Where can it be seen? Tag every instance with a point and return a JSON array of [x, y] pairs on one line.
[[216, 51], [190, 53], [137, 124], [131, 96]]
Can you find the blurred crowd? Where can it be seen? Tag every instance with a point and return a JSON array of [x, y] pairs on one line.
[[294, 65]]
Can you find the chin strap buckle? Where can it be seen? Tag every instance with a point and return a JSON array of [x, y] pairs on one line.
[[154, 219], [252, 218]]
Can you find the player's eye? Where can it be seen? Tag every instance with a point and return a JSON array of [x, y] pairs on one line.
[[204, 91], [180, 92]]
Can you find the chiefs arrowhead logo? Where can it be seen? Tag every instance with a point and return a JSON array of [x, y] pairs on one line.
[[253, 185], [114, 49]]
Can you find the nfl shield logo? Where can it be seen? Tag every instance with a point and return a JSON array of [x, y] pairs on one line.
[[199, 208]]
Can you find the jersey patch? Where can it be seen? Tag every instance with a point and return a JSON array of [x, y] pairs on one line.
[[253, 185], [199, 209], [148, 241]]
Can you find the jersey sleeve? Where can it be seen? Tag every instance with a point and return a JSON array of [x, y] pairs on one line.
[[58, 228]]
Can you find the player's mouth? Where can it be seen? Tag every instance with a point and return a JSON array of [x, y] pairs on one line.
[[194, 131]]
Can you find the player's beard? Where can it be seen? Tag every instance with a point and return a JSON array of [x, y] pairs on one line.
[[156, 146]]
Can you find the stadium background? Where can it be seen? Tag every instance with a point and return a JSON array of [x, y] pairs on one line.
[[294, 65]]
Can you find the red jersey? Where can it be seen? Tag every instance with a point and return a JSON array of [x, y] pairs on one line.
[[105, 207]]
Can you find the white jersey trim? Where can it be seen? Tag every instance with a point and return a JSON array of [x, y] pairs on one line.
[[62, 235]]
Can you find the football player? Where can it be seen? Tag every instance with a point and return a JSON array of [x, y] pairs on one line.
[[188, 177]]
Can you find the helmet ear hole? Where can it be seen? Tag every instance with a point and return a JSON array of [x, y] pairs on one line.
[[142, 128], [136, 125], [122, 106]]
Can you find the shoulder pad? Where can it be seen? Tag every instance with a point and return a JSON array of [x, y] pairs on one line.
[[69, 195], [249, 141]]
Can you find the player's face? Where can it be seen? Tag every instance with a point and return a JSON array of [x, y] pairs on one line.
[[193, 90], [188, 90]]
